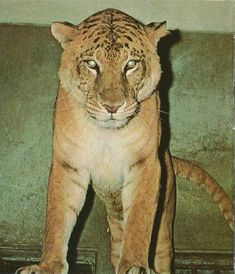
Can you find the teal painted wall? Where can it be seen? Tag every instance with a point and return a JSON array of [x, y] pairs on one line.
[[200, 107], [199, 15]]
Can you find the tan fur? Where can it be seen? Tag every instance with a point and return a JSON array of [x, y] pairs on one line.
[[107, 131], [198, 175]]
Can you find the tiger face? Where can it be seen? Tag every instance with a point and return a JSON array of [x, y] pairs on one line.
[[109, 64]]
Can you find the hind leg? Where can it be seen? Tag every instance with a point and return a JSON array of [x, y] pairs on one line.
[[116, 237], [114, 209], [164, 248]]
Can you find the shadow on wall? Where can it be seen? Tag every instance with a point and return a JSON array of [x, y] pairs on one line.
[[166, 81], [163, 88]]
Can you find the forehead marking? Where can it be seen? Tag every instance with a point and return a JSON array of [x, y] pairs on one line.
[[107, 28]]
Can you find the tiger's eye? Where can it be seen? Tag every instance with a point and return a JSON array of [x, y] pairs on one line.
[[131, 64], [91, 64]]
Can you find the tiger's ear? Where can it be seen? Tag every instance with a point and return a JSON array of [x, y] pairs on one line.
[[156, 31], [64, 33]]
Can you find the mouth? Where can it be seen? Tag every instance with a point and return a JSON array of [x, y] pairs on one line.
[[115, 120], [113, 123]]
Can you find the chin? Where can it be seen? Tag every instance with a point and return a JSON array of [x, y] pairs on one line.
[[113, 124]]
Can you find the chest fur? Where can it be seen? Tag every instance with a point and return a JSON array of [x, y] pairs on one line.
[[104, 156], [109, 167]]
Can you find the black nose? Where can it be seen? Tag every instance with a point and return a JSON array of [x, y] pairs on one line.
[[111, 108]]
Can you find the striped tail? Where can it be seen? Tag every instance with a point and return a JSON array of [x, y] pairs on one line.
[[198, 175]]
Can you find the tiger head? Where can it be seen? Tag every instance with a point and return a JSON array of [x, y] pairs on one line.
[[109, 64]]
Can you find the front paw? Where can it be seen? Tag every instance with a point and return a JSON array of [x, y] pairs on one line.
[[51, 268]]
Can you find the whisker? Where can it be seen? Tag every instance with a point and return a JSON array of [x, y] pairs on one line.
[[165, 112], [91, 109], [136, 115], [144, 123], [153, 109]]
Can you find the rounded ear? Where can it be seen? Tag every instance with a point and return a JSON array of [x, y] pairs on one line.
[[64, 33], [156, 31]]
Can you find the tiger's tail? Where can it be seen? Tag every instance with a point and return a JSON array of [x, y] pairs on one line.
[[186, 169]]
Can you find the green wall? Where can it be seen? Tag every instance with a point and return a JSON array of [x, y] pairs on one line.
[[186, 15], [200, 106]]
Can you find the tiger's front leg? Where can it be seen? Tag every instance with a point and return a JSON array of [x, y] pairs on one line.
[[164, 247], [66, 195], [140, 197]]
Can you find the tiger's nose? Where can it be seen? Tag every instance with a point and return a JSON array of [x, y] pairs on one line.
[[112, 108]]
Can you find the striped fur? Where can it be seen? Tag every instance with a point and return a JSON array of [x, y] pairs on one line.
[[107, 132], [198, 175]]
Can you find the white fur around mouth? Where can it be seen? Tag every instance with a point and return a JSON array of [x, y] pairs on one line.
[[112, 123], [108, 120]]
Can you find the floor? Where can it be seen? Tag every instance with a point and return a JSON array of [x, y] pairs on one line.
[[10, 268], [206, 268]]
